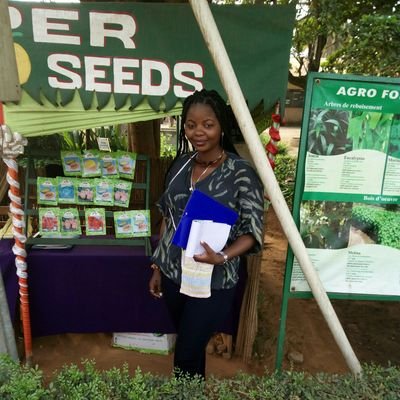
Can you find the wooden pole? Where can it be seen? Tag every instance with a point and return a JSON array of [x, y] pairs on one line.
[[7, 336], [229, 81]]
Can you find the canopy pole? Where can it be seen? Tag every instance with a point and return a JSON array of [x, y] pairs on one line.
[[7, 336], [229, 81], [11, 146]]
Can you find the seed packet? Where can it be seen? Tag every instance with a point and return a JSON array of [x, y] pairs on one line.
[[123, 224], [46, 190], [109, 167], [72, 163], [85, 191], [95, 219], [104, 192], [49, 222], [70, 223], [122, 193], [141, 223], [91, 164], [66, 188], [126, 164]]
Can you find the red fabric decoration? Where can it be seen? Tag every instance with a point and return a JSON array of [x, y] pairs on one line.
[[276, 118], [271, 148], [274, 133], [271, 162]]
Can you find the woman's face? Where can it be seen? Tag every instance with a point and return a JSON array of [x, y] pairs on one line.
[[202, 128]]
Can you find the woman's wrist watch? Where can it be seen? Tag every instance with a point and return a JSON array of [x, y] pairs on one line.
[[225, 256]]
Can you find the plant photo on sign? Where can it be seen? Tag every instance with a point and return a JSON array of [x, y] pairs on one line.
[[394, 141], [325, 224], [369, 130], [327, 132], [377, 223]]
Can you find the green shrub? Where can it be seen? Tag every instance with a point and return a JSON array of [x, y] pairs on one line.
[[18, 382], [285, 172], [167, 150]]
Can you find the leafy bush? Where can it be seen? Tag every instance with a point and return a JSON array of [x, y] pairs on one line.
[[167, 150], [20, 383], [285, 172], [87, 139]]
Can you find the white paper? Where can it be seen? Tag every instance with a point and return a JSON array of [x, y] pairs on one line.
[[104, 144], [215, 234]]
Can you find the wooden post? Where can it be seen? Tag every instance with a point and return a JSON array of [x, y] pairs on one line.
[[7, 336], [229, 81], [10, 89]]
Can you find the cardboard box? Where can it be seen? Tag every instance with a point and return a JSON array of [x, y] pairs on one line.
[[156, 343]]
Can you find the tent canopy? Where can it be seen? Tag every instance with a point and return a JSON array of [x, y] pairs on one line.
[[92, 64]]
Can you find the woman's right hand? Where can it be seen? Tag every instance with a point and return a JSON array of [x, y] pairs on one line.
[[155, 282]]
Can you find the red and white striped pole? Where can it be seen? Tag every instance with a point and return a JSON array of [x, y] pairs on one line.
[[11, 146], [272, 146]]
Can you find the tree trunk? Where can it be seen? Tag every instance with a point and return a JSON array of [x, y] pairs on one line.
[[144, 138]]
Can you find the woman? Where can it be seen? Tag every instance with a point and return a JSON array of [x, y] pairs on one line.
[[215, 169]]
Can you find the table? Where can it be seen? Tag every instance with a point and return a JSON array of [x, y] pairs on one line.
[[8, 272], [89, 289]]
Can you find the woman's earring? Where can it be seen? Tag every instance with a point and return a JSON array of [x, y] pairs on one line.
[[222, 137]]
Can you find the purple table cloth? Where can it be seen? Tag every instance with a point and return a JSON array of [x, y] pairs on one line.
[[98, 289], [93, 289], [9, 274]]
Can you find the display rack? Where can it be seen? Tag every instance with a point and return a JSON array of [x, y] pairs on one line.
[[140, 199]]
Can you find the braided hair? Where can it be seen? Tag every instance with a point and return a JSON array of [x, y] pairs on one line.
[[223, 112]]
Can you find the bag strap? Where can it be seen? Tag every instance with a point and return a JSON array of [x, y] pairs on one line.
[[174, 177]]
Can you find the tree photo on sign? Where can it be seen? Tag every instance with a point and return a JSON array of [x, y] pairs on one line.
[[325, 224], [370, 130], [394, 141], [327, 132]]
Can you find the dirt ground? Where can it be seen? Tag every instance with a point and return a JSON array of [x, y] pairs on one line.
[[373, 328]]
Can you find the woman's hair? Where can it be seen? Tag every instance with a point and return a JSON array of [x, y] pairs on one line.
[[222, 111]]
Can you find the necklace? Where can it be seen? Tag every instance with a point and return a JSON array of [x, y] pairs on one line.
[[207, 167], [208, 163]]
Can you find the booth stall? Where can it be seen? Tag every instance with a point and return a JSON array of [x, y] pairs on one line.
[[98, 64]]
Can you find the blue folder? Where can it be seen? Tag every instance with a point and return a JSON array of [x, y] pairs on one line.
[[201, 206]]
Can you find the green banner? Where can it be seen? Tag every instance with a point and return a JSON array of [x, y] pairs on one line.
[[127, 52], [356, 96]]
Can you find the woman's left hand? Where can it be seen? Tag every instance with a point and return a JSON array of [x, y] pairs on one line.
[[239, 247], [209, 256]]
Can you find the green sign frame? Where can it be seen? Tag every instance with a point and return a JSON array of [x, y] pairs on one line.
[[348, 163]]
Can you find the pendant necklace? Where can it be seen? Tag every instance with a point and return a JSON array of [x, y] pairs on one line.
[[207, 167]]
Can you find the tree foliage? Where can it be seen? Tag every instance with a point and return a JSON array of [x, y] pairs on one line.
[[360, 37], [345, 36], [373, 47]]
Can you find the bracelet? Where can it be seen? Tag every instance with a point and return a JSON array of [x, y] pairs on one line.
[[155, 267], [224, 255]]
